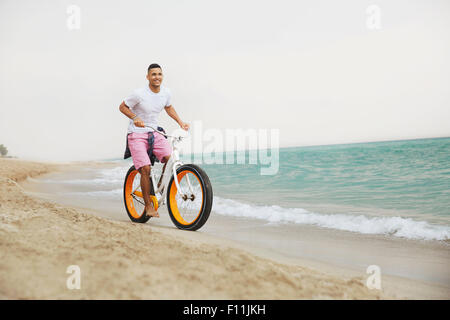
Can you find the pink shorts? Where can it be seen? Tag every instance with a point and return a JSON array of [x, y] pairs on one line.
[[138, 144]]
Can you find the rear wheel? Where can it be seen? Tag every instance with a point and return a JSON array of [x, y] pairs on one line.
[[133, 198], [191, 210]]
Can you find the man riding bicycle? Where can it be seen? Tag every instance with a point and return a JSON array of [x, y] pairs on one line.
[[143, 107]]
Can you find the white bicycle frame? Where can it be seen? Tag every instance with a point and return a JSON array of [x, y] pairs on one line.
[[173, 164]]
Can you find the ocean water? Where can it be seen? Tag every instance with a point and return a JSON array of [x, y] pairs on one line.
[[395, 188], [400, 188]]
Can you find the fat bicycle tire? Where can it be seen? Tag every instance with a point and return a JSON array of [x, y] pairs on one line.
[[206, 201]]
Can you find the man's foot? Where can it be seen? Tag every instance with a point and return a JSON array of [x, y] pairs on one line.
[[150, 211]]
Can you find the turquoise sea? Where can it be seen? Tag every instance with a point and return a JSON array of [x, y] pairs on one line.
[[394, 188]]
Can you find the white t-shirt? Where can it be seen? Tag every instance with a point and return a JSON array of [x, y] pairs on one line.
[[147, 105]]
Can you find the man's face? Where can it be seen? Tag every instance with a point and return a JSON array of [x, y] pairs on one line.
[[155, 77]]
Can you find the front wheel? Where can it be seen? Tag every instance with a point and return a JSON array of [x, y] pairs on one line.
[[191, 210]]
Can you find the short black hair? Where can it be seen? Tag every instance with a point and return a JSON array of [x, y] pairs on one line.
[[153, 65]]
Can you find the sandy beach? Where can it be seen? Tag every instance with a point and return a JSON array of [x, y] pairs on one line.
[[40, 238]]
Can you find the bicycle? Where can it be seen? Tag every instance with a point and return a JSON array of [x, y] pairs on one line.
[[189, 197]]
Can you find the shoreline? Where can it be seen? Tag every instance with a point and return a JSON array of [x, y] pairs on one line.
[[251, 272]]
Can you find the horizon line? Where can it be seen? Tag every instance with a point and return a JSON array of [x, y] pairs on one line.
[[306, 146]]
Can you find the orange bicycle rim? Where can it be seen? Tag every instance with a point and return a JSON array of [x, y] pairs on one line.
[[173, 203], [129, 198]]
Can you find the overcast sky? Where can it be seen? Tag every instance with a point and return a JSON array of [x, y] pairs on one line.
[[312, 69]]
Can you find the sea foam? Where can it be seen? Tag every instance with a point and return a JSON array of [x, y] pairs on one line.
[[395, 226]]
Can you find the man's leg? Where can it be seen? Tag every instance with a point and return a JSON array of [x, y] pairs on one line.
[[162, 150], [145, 186], [137, 142]]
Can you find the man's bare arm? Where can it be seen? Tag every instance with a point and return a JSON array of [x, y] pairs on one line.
[[126, 111], [173, 114]]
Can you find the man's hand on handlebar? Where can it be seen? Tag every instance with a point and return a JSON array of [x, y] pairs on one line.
[[184, 126]]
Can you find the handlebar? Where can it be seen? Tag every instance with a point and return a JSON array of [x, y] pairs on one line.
[[178, 138]]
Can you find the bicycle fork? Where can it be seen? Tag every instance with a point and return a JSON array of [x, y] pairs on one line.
[[174, 163]]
